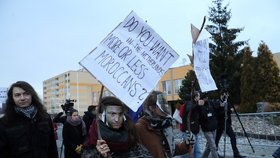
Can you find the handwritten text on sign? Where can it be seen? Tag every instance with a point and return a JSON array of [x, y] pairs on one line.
[[201, 65], [130, 60]]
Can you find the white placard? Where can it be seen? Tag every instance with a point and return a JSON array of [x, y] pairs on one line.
[[130, 60], [201, 65], [3, 95]]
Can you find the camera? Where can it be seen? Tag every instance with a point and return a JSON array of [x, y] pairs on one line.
[[224, 83], [68, 105]]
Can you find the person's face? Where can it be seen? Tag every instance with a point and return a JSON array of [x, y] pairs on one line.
[[114, 116], [197, 97], [75, 116], [21, 97], [93, 112]]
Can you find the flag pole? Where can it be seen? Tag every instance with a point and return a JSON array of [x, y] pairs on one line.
[[98, 108], [195, 34]]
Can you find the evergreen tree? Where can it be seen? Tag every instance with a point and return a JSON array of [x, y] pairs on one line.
[[187, 84], [268, 76], [248, 80], [225, 56]]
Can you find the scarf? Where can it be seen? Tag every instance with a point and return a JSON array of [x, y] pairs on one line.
[[117, 140], [158, 123], [29, 111], [163, 124], [77, 123]]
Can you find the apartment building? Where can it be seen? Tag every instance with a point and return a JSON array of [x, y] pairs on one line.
[[78, 86], [84, 89]]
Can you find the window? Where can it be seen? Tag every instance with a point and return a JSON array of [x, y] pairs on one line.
[[166, 86], [177, 85], [94, 96]]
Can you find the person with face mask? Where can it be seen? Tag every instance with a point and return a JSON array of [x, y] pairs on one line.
[[114, 135], [155, 129], [26, 129]]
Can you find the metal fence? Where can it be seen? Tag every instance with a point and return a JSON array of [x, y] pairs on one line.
[[261, 133], [264, 126]]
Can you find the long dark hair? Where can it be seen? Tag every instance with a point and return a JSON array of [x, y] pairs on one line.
[[36, 101]]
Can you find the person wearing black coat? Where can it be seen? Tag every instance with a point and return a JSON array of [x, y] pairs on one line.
[[60, 118], [220, 110], [73, 133], [208, 123], [191, 108], [89, 116], [26, 130]]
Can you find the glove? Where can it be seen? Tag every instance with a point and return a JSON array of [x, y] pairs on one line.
[[78, 149], [189, 138]]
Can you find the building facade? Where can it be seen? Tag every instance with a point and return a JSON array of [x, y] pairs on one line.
[[84, 90], [77, 86]]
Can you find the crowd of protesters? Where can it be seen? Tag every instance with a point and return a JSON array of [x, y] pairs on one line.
[[209, 116], [27, 130]]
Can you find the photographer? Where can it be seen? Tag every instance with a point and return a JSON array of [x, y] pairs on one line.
[[223, 104], [67, 107]]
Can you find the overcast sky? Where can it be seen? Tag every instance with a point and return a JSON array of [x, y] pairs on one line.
[[40, 39]]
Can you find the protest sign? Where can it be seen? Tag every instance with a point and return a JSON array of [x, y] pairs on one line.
[[130, 60], [3, 95], [201, 63]]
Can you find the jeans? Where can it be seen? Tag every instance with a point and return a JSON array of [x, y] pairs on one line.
[[210, 145], [196, 148], [276, 154]]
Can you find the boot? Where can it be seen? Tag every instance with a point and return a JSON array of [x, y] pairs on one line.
[[239, 156]]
